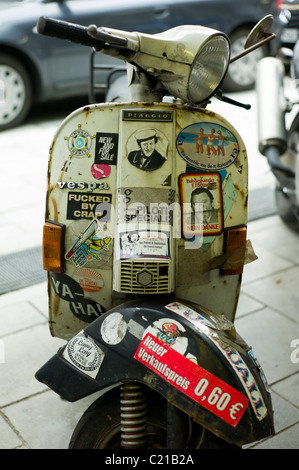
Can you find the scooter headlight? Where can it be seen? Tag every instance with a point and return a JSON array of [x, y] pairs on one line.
[[209, 68]]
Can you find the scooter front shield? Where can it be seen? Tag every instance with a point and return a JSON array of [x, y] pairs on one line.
[[130, 224]]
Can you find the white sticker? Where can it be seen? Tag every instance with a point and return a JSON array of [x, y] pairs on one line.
[[83, 353], [114, 328]]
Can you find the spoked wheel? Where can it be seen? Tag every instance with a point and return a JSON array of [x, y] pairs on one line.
[[135, 417], [15, 92]]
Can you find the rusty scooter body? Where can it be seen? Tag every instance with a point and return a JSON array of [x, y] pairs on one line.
[[145, 243]]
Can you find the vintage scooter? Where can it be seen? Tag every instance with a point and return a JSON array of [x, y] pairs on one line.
[[278, 126], [145, 243]]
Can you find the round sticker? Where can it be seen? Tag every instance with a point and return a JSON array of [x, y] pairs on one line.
[[207, 146], [84, 354], [114, 328]]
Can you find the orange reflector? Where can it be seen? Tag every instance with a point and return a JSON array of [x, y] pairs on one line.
[[52, 246], [235, 243]]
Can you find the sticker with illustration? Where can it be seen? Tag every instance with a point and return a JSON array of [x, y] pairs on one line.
[[207, 146], [90, 245]]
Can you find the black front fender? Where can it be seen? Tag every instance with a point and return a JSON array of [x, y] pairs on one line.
[[192, 357]]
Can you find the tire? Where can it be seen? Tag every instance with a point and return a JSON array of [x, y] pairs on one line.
[[242, 73], [15, 92], [100, 426]]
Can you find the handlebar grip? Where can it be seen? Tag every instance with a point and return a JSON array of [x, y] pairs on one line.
[[68, 31]]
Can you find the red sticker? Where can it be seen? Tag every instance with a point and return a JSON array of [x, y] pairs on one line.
[[100, 171], [199, 384]]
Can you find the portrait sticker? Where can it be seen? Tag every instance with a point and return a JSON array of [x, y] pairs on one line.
[[201, 203], [207, 146], [144, 244], [147, 149]]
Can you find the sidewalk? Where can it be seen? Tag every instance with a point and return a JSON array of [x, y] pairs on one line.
[[34, 417]]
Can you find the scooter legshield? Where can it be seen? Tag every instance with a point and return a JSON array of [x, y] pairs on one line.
[[192, 357]]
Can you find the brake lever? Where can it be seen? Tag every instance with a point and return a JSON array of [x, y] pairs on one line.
[[219, 95]]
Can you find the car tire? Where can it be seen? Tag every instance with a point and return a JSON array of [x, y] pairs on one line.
[[15, 92], [241, 73]]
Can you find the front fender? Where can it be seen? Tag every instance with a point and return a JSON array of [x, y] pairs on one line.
[[192, 357]]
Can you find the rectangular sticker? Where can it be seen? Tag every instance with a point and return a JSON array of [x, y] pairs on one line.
[[200, 385], [106, 148], [86, 205], [144, 244], [201, 201]]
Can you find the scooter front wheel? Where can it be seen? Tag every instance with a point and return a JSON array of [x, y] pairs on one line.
[[101, 426]]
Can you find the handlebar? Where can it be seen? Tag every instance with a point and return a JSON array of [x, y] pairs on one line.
[[68, 31]]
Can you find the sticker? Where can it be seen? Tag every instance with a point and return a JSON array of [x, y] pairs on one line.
[[79, 143], [200, 385], [144, 244], [85, 205], [188, 313], [207, 146], [146, 205], [68, 289], [147, 149], [106, 148], [201, 203], [89, 279], [114, 328], [65, 287], [90, 244], [89, 186], [84, 354], [248, 382], [170, 332], [87, 310], [100, 171]]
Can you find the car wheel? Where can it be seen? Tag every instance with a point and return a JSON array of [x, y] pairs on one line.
[[241, 73], [15, 92]]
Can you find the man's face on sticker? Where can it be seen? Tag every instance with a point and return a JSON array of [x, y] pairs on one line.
[[204, 200], [148, 146]]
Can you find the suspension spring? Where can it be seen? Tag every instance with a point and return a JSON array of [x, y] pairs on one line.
[[133, 416]]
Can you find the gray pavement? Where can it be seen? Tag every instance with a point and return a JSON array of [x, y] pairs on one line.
[[34, 417]]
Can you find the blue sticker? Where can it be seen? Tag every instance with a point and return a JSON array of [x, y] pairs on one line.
[[207, 146]]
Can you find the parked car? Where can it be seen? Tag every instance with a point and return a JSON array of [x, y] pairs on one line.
[[35, 68]]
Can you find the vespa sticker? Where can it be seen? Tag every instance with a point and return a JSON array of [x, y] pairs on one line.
[[207, 146], [201, 202], [200, 385]]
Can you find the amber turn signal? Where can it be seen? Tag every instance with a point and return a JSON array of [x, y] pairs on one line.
[[53, 237], [235, 247]]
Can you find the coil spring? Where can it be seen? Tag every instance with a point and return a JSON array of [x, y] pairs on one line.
[[133, 416]]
